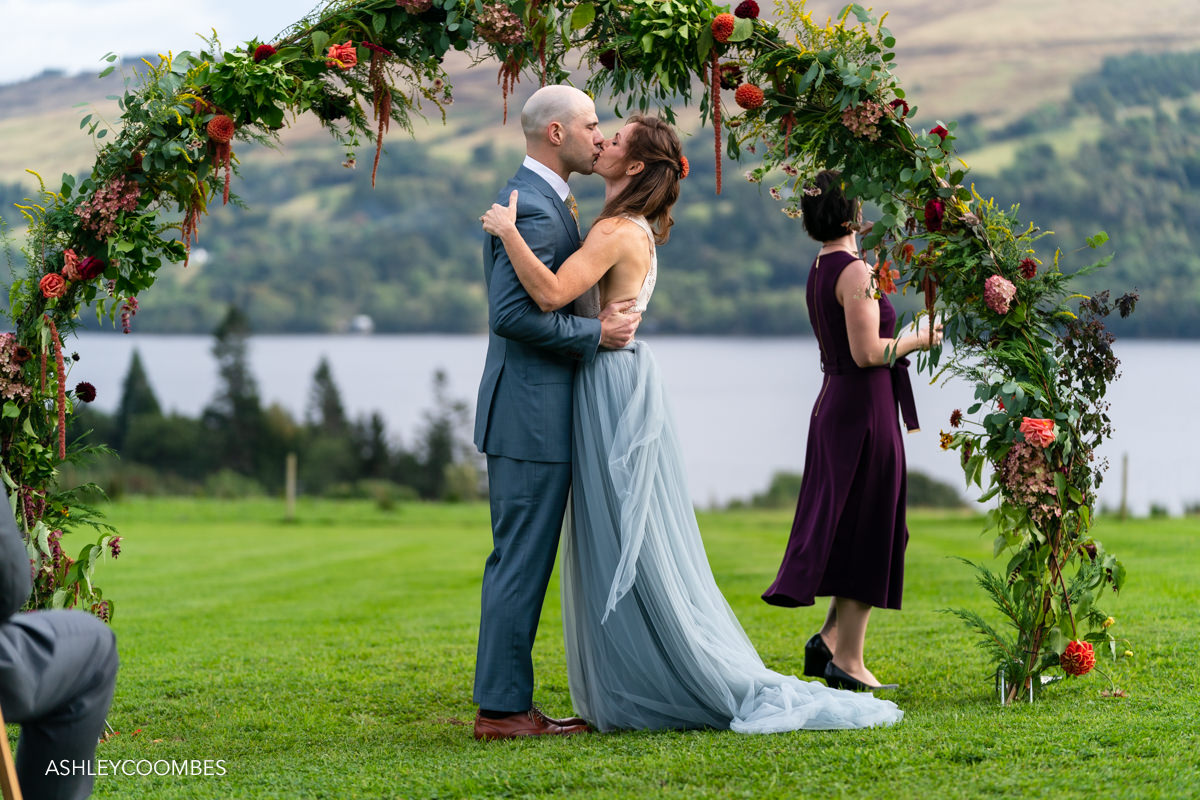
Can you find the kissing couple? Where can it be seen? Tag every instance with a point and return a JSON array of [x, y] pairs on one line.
[[579, 439]]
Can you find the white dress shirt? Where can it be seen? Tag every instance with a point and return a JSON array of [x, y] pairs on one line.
[[551, 177]]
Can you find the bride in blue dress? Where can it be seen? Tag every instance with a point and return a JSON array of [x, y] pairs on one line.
[[650, 640]]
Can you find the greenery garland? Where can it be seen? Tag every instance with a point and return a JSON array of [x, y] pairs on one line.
[[811, 96]]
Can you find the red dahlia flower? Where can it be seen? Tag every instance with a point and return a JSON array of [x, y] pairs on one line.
[[748, 96], [85, 392], [956, 418], [1028, 268], [941, 132], [263, 52], [901, 107], [608, 59], [1078, 658], [722, 27], [747, 9], [220, 129], [935, 213]]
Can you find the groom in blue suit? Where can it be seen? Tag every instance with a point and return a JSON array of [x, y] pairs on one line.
[[523, 416]]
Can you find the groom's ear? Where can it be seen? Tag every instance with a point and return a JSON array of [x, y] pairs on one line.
[[555, 133]]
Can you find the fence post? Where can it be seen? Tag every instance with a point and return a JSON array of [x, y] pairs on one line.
[[290, 486]]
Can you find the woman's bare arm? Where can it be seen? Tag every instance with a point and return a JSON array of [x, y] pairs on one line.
[[603, 248], [869, 349]]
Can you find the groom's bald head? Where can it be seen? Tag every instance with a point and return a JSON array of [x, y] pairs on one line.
[[557, 103], [561, 129]]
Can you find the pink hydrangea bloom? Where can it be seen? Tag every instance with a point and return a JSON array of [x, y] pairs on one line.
[[998, 293]]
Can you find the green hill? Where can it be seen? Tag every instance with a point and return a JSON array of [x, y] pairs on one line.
[[1067, 116]]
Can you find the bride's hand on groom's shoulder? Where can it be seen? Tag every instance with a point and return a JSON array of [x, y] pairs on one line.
[[501, 220]]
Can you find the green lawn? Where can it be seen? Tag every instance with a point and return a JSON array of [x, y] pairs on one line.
[[333, 658]]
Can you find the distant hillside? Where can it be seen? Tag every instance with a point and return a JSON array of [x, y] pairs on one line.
[[1081, 149]]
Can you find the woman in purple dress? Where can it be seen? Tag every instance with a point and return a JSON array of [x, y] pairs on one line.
[[849, 535]]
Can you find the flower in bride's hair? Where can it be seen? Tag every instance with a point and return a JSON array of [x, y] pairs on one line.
[[1078, 658], [684, 167]]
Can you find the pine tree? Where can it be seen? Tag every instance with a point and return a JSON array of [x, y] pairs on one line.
[[137, 399], [325, 411], [235, 414]]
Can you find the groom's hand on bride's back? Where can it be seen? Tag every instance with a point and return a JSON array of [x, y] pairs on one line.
[[618, 323]]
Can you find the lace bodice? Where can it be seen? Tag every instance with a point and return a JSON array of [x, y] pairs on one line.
[[643, 295], [588, 304]]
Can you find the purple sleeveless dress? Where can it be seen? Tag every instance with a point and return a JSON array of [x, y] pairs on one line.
[[849, 534]]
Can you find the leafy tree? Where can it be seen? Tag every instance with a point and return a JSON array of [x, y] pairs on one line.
[[235, 415]]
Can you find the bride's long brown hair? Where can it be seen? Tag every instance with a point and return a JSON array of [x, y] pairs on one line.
[[653, 191]]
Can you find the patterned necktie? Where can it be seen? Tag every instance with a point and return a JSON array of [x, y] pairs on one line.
[[573, 207]]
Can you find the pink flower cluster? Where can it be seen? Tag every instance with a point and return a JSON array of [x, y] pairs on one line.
[[11, 385], [998, 293], [128, 309], [1028, 480], [861, 119], [100, 212], [499, 25], [415, 6]]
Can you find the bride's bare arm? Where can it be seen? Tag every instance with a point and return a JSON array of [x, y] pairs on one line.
[[602, 249]]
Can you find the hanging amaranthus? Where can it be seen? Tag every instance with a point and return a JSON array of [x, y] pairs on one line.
[[60, 369], [381, 97], [716, 114]]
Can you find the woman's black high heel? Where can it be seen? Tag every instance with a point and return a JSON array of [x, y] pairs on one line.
[[839, 679], [816, 657]]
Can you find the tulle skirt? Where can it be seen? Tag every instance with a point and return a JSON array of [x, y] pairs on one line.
[[651, 641]]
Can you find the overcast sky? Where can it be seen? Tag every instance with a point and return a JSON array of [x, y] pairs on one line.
[[73, 35]]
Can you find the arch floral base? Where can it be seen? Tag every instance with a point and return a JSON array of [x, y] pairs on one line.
[[805, 96]]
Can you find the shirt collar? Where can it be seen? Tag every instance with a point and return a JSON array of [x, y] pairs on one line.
[[550, 176]]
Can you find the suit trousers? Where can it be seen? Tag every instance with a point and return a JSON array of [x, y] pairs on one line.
[[58, 670], [528, 500]]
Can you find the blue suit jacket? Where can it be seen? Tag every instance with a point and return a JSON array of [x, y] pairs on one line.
[[524, 405]]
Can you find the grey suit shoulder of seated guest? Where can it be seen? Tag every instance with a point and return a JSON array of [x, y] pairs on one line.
[[524, 403], [58, 670], [15, 579]]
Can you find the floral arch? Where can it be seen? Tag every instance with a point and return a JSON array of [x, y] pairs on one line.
[[802, 95]]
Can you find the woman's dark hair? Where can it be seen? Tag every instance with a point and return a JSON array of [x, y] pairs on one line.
[[825, 207], [653, 191]]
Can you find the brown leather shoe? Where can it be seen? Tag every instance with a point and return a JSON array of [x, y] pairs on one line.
[[524, 723], [566, 722]]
